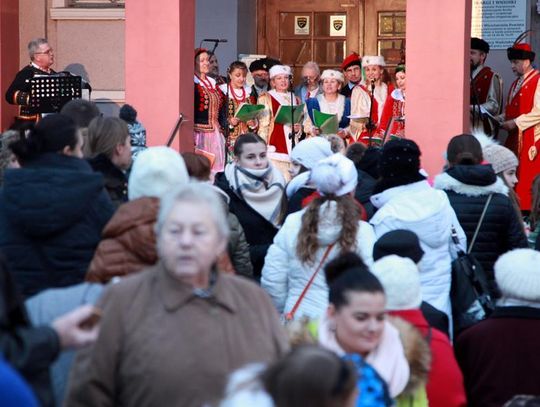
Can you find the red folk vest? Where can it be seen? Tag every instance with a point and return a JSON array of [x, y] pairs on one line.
[[480, 84]]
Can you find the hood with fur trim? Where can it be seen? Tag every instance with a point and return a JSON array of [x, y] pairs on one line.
[[417, 352], [473, 181]]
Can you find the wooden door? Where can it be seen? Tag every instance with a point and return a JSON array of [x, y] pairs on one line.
[[373, 27], [384, 29], [298, 31]]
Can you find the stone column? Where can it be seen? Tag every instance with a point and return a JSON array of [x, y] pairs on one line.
[[159, 67], [437, 107]]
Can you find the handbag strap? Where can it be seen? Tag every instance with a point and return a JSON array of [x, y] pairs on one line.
[[479, 223], [290, 315]]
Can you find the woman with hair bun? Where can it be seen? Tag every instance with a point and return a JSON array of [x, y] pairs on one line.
[[53, 209], [355, 325], [469, 183], [328, 226]]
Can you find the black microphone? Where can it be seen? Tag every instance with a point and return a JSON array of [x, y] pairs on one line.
[[215, 40]]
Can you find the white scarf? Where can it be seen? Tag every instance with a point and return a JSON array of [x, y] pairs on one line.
[[261, 189]]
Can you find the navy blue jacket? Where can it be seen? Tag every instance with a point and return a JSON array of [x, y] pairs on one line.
[[52, 212]]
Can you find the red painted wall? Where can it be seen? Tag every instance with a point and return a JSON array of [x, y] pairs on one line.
[[438, 40], [159, 40], [9, 56]]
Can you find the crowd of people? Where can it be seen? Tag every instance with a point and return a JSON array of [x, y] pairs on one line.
[[279, 264]]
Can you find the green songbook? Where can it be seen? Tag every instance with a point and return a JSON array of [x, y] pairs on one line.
[[284, 115], [327, 123], [247, 112]]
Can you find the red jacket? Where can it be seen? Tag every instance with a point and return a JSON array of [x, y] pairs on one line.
[[445, 382]]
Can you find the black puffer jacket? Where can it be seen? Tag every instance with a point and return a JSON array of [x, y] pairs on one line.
[[468, 187], [52, 212]]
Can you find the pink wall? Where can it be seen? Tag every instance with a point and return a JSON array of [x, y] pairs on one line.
[[438, 36], [159, 41], [9, 55]]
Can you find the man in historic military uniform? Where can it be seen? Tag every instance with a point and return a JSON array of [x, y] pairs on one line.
[[522, 119], [352, 69], [260, 69], [486, 89], [41, 59]]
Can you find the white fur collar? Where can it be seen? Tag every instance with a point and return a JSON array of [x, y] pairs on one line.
[[446, 182]]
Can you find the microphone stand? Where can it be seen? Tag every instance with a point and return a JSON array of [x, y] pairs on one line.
[[292, 134], [227, 128], [370, 126]]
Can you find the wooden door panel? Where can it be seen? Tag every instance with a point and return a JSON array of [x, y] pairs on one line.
[[373, 24], [277, 37]]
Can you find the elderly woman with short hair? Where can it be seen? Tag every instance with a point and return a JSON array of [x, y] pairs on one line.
[[330, 101], [171, 335]]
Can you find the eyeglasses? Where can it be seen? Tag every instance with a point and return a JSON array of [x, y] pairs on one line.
[[48, 52]]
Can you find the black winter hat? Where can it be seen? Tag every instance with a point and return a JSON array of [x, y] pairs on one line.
[[264, 64], [400, 242], [479, 44], [399, 165]]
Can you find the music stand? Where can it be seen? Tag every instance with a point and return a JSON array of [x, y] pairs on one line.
[[49, 93]]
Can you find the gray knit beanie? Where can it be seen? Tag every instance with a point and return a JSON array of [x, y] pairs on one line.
[[500, 157]]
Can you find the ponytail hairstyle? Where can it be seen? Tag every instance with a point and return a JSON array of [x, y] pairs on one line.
[[348, 214], [464, 149], [348, 273], [50, 135]]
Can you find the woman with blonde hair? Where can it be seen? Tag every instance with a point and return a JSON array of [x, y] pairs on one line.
[[328, 226], [109, 150]]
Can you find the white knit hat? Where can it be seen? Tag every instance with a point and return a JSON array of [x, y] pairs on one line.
[[155, 171], [401, 281], [373, 60], [335, 175], [310, 151], [517, 273], [279, 70], [332, 74]]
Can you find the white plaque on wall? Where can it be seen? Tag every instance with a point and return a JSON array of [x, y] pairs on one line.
[[338, 26], [301, 25], [498, 22]]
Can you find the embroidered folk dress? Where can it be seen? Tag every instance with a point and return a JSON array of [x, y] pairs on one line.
[[209, 119]]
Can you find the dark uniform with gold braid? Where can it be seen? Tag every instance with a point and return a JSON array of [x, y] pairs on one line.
[[18, 92]]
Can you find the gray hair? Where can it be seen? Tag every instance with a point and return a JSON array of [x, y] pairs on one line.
[[198, 193], [34, 45], [312, 65]]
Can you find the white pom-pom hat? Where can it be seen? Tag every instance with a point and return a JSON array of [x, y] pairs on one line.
[[332, 74], [335, 175]]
